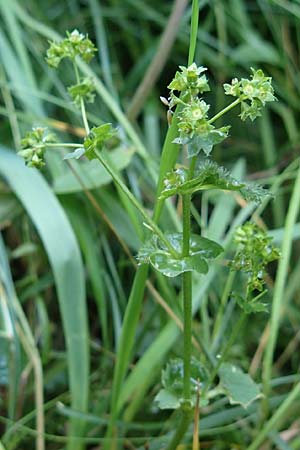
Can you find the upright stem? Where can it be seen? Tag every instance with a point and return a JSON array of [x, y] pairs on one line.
[[187, 300], [187, 290], [194, 31], [82, 105]]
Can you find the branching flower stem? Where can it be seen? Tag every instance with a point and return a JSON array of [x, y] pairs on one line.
[[152, 225], [225, 110], [59, 144]]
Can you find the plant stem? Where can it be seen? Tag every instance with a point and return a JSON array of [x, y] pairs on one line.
[[152, 225], [225, 110], [59, 144], [226, 350], [82, 105], [181, 430], [194, 31], [187, 290], [187, 313]]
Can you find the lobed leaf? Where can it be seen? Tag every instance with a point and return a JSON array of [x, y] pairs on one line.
[[201, 249], [238, 386]]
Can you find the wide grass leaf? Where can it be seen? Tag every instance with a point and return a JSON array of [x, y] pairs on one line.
[[64, 256], [92, 174]]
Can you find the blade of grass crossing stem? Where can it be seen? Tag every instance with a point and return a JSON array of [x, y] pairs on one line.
[[87, 238], [280, 415], [27, 340], [126, 342], [97, 17], [18, 40], [280, 283], [9, 334], [65, 259]]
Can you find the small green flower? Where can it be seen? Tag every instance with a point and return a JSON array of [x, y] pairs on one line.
[[75, 44], [189, 79], [34, 145]]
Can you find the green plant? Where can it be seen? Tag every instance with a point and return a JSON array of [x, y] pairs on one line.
[[178, 253]]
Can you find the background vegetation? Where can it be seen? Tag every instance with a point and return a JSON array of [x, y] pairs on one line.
[[69, 238]]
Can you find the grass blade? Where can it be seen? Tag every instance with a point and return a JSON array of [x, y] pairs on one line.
[[65, 259]]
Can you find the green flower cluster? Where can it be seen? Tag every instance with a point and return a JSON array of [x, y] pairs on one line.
[[256, 251], [195, 131], [253, 93], [34, 145], [82, 91], [189, 82], [75, 44]]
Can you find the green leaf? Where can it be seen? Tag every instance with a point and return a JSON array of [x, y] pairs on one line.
[[167, 400], [208, 176], [205, 141], [156, 253], [171, 267], [98, 138], [171, 396], [82, 91], [76, 154], [64, 256], [238, 386], [251, 306]]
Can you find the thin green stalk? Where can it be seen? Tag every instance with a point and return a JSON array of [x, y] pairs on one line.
[[225, 352], [224, 299], [272, 424], [181, 430], [187, 290], [280, 283], [59, 145], [82, 105], [225, 110], [152, 225], [194, 31], [187, 301]]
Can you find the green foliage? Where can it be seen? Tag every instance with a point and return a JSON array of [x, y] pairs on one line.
[[238, 386], [34, 145], [75, 44], [201, 249], [171, 396], [209, 175], [233, 37], [85, 90], [98, 138]]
